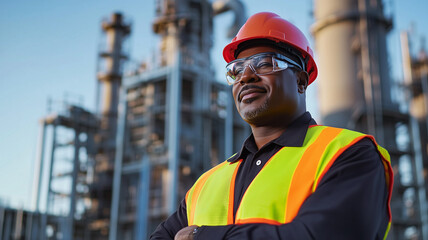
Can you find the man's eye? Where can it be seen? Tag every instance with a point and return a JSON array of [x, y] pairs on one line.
[[264, 64], [238, 70]]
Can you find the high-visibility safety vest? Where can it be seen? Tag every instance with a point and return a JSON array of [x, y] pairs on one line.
[[284, 183]]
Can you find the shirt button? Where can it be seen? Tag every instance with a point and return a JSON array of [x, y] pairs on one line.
[[258, 162]]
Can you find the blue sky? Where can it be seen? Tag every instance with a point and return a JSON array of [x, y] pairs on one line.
[[48, 49]]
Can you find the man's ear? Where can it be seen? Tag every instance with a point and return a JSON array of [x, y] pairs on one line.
[[302, 81]]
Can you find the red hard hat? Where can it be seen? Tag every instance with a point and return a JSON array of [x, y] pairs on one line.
[[266, 25]]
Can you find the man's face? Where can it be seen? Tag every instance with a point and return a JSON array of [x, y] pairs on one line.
[[268, 99]]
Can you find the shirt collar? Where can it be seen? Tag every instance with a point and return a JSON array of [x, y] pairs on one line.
[[293, 136]]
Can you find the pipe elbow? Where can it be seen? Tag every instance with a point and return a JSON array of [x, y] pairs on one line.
[[238, 9]]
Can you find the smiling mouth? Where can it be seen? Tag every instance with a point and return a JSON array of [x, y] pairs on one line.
[[248, 97], [249, 93]]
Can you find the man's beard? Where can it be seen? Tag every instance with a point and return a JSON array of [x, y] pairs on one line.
[[252, 115]]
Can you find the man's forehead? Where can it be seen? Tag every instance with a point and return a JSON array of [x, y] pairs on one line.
[[269, 46], [257, 50]]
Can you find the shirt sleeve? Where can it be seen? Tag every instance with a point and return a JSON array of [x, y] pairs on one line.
[[349, 203], [174, 223]]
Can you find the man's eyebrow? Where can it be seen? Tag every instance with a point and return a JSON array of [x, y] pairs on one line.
[[239, 63]]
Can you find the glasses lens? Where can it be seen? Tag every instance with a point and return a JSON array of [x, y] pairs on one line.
[[280, 64], [231, 79], [261, 64], [233, 71]]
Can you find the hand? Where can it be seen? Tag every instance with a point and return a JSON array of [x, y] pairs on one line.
[[185, 233]]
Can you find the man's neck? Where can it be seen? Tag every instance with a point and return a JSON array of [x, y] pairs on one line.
[[263, 135]]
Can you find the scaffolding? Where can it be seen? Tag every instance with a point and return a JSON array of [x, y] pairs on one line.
[[71, 149], [82, 152]]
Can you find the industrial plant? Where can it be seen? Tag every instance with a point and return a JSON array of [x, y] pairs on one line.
[[118, 172]]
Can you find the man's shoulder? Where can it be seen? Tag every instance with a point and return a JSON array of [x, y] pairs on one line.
[[343, 131], [331, 127], [213, 169], [347, 138]]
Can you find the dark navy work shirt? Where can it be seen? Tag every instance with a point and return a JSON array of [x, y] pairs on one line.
[[350, 202]]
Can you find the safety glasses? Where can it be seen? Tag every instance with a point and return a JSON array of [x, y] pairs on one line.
[[260, 64]]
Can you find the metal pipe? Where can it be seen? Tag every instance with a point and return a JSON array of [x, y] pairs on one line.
[[2, 218], [43, 223], [374, 110], [76, 166], [49, 197], [18, 224], [29, 226], [174, 83], [117, 175], [53, 148], [8, 225], [143, 199], [424, 81], [237, 7], [37, 184]]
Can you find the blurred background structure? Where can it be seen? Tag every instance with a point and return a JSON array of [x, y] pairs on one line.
[[117, 171], [357, 93]]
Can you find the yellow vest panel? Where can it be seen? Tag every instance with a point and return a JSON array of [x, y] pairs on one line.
[[276, 194]]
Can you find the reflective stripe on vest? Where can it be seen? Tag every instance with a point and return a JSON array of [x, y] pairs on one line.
[[284, 183]]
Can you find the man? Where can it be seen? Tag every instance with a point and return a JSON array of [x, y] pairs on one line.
[[292, 179]]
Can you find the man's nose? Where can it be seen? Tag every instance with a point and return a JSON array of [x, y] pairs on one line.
[[249, 75]]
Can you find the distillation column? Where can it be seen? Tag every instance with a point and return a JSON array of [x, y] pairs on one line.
[[350, 37], [116, 31], [109, 76]]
